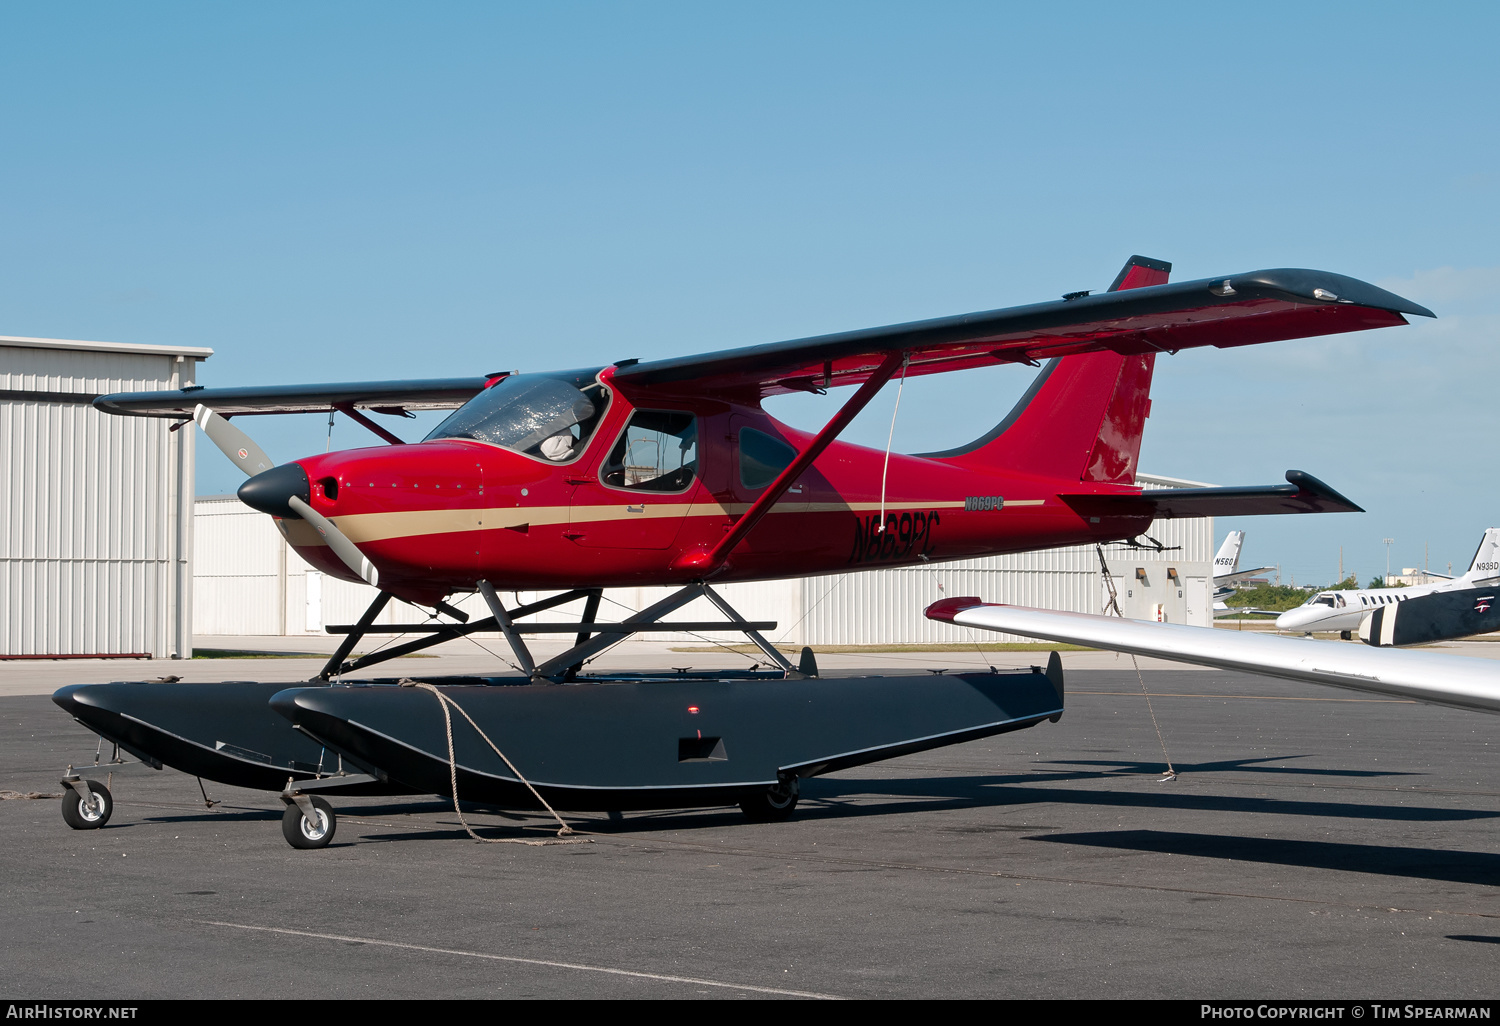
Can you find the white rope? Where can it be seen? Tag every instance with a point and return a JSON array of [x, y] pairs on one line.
[[831, 589], [443, 703], [1114, 603], [905, 362]]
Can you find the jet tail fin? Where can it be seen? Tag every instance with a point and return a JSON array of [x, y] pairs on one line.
[[1228, 559], [1486, 565]]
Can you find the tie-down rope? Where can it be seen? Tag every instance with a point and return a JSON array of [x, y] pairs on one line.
[[886, 466], [444, 702], [1114, 603]]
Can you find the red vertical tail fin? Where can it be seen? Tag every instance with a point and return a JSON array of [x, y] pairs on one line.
[[1139, 272], [1082, 418]]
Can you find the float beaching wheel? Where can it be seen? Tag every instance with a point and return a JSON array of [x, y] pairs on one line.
[[90, 814], [300, 832], [775, 802]]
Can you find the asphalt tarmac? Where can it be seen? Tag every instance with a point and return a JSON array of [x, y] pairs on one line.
[[1317, 844]]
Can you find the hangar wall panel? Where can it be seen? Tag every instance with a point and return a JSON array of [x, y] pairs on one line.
[[96, 518], [248, 581]]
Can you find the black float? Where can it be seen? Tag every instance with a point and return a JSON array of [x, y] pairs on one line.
[[604, 743]]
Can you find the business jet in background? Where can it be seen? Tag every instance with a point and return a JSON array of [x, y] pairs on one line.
[[1228, 575], [1343, 611]]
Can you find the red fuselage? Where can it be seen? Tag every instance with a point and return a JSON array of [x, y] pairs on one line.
[[438, 516]]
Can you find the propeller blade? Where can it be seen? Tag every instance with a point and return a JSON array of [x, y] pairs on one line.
[[232, 442], [337, 541]]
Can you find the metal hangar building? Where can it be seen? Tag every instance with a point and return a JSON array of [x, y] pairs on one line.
[[96, 519]]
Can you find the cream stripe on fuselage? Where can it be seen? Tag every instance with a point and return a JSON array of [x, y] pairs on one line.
[[370, 527]]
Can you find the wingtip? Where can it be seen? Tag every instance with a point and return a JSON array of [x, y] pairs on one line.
[[1328, 287], [1313, 486], [946, 609]]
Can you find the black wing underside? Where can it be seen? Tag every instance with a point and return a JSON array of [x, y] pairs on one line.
[[1224, 312], [381, 396], [1237, 310]]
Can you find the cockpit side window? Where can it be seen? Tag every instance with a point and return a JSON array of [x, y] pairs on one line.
[[657, 452], [762, 458], [540, 416]]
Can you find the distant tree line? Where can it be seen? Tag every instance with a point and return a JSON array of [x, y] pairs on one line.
[[1276, 597], [1280, 597]]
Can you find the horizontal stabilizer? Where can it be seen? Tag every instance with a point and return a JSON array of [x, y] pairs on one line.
[[1302, 493], [1242, 611], [1441, 679], [1240, 576]]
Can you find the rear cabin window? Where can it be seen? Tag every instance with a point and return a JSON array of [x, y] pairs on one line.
[[762, 458], [657, 452]]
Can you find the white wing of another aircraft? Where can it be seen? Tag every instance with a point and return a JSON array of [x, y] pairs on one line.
[[1459, 681]]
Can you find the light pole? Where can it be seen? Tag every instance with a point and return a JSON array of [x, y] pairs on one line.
[[1388, 543]]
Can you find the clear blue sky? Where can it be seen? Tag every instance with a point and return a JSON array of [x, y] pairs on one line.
[[363, 190]]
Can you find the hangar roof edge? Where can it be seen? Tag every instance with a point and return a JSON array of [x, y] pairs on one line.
[[1162, 481], [192, 352]]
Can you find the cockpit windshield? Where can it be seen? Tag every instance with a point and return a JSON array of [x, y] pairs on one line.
[[1320, 600], [537, 415]]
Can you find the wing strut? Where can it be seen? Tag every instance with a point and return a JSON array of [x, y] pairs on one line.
[[348, 410], [708, 562]]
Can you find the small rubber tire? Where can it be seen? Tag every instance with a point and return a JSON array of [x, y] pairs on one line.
[[774, 803], [299, 833], [92, 816]]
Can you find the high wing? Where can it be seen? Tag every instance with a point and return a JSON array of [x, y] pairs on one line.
[[1237, 310], [1459, 681], [1226, 311], [1302, 493], [381, 396]]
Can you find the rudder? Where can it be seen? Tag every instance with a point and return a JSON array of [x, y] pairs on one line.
[[1227, 561], [1083, 416], [1486, 563]]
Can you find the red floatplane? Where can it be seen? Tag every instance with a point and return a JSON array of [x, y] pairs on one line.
[[670, 472]]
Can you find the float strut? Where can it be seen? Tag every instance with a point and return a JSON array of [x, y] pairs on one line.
[[754, 635], [508, 628], [347, 645], [590, 615]]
